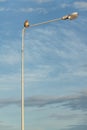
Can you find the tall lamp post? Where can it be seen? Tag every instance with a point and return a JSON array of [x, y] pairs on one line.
[[26, 25]]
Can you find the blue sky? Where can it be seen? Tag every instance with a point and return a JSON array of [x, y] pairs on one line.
[[55, 65]]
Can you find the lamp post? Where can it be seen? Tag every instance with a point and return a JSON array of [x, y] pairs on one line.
[[26, 25]]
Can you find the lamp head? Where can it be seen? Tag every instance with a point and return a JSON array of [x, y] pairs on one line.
[[70, 16], [73, 16], [26, 24]]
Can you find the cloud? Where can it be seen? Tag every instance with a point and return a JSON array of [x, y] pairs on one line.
[[80, 5], [9, 56], [29, 10], [43, 51], [4, 9], [39, 73], [65, 116], [7, 126], [7, 79], [65, 5], [77, 127], [74, 102], [58, 53], [9, 59], [77, 5], [42, 1], [3, 0], [7, 102], [77, 103]]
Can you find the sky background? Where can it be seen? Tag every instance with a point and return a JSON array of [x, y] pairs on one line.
[[55, 65]]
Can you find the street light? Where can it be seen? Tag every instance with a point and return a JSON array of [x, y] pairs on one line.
[[26, 25]]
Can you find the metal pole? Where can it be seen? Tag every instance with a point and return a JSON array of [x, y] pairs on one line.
[[46, 22], [22, 81], [26, 25]]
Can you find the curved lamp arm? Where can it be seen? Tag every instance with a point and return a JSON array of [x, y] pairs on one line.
[[70, 17]]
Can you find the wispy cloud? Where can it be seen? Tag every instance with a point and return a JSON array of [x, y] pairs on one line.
[[41, 1], [78, 5], [64, 116], [6, 125], [39, 73], [4, 9], [64, 5], [3, 0], [10, 56], [11, 60], [10, 78], [42, 44], [77, 127], [44, 51], [75, 102], [25, 10], [29, 10]]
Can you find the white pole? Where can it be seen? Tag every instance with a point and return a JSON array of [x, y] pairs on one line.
[[22, 81], [26, 25]]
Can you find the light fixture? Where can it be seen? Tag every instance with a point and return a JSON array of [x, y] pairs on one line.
[[70, 16], [26, 24]]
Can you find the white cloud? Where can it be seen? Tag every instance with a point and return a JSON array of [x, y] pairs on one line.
[[65, 5], [29, 10], [80, 5], [7, 126], [43, 1], [48, 43], [44, 49], [9, 79], [39, 73], [10, 55], [3, 0], [10, 58], [4, 9], [40, 1]]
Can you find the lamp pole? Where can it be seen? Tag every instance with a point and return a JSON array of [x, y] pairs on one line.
[[26, 25], [22, 81]]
